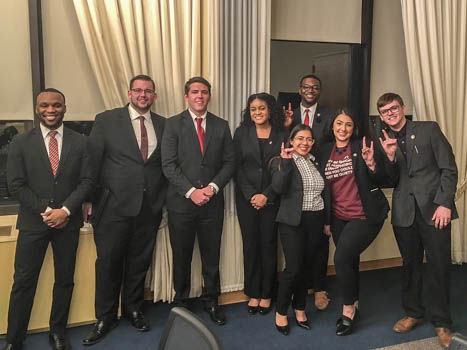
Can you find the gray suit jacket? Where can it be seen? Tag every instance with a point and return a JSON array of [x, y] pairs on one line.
[[185, 166], [427, 178]]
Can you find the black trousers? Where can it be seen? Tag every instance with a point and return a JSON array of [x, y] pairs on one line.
[[294, 239], [413, 242], [30, 251], [124, 251], [316, 266], [259, 234], [206, 223], [351, 239]]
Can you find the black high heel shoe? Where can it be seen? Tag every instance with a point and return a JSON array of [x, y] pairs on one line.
[[264, 310], [284, 330], [252, 310], [344, 325], [303, 324]]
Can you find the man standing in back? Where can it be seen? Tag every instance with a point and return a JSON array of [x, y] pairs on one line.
[[198, 160], [48, 173], [124, 148]]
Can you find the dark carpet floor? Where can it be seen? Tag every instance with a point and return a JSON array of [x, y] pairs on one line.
[[380, 307]]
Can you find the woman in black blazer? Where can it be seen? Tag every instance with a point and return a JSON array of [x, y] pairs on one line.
[[358, 206], [295, 176], [257, 140]]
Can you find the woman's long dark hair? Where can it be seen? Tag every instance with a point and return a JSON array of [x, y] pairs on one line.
[[329, 134], [276, 115]]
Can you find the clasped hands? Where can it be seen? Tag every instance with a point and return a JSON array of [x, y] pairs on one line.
[[56, 218], [201, 196]]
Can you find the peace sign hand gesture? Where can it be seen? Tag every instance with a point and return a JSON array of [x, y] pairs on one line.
[[368, 154], [286, 153]]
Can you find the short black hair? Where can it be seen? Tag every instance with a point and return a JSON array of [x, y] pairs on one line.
[[52, 90], [142, 77], [310, 76], [196, 80]]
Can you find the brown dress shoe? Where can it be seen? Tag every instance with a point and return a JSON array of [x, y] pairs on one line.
[[444, 336], [321, 300], [406, 324]]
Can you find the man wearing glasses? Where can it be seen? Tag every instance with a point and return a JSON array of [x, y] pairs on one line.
[[422, 210], [124, 148]]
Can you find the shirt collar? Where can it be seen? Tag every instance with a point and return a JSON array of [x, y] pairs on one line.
[[134, 114], [312, 108], [307, 157], [401, 133], [194, 116], [45, 130]]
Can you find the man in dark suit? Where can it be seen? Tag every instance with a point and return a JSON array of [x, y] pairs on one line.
[[124, 148], [422, 210], [48, 173], [311, 113], [198, 159]]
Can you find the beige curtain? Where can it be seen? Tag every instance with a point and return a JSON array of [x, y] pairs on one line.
[[168, 41], [435, 34], [237, 63]]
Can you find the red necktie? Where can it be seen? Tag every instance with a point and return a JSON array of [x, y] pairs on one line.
[[53, 151], [307, 117], [144, 139], [200, 131]]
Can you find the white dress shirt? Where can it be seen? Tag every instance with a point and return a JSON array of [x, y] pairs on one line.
[[214, 187], [135, 122], [311, 113], [59, 137]]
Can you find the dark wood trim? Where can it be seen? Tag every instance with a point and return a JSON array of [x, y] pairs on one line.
[[360, 68], [37, 48]]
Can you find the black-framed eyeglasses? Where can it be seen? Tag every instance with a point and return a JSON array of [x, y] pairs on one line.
[[140, 91], [393, 109], [311, 87]]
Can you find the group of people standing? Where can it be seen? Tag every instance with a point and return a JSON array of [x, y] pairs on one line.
[[305, 174]]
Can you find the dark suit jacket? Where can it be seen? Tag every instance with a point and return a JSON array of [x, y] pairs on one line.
[[31, 181], [250, 165], [321, 124], [427, 178], [119, 166], [287, 182], [185, 166], [375, 204]]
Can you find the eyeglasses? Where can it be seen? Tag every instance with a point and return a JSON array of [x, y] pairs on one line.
[[393, 109], [140, 91], [311, 87]]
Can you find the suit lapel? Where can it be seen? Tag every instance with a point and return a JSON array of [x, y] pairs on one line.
[[158, 130], [210, 130], [410, 136], [129, 133], [188, 124], [354, 150], [39, 140]]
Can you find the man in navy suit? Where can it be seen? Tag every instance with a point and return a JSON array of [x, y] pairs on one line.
[[48, 173], [422, 210], [124, 148], [198, 160]]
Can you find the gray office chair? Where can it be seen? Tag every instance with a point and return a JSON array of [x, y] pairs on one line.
[[184, 330], [458, 342]]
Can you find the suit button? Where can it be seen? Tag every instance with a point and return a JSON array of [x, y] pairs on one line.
[[260, 170], [56, 182]]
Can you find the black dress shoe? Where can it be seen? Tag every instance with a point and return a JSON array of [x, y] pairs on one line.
[[216, 314], [138, 321], [101, 328], [283, 329], [264, 310], [345, 325], [252, 310], [9, 346], [58, 343], [303, 324], [356, 318]]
